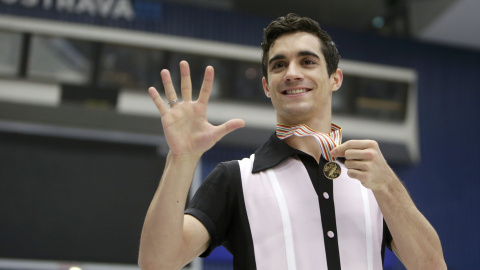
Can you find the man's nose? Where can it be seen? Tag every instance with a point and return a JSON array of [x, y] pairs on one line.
[[293, 73]]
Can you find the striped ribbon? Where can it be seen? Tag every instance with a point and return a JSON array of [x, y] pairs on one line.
[[327, 141]]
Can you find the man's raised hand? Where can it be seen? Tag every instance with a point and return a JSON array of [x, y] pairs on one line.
[[185, 123]]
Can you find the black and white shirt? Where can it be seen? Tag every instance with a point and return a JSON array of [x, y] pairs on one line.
[[276, 210]]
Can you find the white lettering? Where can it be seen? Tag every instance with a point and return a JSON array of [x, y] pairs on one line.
[[104, 7], [29, 3], [123, 9], [65, 5], [87, 6], [115, 9]]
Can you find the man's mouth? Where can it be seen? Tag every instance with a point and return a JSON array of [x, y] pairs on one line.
[[295, 91]]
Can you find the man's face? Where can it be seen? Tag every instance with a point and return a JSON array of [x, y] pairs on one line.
[[298, 82]]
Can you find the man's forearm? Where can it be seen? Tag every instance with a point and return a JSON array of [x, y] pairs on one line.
[[415, 240], [162, 234]]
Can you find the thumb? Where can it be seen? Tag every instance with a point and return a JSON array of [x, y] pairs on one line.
[[338, 151], [228, 127]]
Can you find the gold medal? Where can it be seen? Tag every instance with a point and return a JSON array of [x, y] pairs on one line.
[[326, 142], [332, 170]]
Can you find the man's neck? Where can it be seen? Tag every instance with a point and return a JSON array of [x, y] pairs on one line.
[[307, 145], [320, 125]]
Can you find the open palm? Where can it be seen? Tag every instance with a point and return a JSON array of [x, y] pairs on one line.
[[185, 124]]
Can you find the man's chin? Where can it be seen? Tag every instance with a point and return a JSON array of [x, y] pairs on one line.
[[296, 112]]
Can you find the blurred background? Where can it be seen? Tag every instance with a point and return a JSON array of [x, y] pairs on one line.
[[81, 145]]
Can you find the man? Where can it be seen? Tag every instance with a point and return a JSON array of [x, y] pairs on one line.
[[294, 204]]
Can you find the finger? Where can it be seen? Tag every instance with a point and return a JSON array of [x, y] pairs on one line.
[[357, 174], [186, 81], [228, 127], [360, 154], [168, 85], [207, 85], [351, 154], [357, 165], [339, 151], [159, 103]]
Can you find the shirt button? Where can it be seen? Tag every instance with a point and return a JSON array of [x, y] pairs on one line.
[[330, 234], [325, 195]]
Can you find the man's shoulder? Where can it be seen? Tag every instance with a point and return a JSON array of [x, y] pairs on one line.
[[235, 164]]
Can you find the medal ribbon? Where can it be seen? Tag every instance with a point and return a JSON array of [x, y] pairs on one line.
[[327, 141]]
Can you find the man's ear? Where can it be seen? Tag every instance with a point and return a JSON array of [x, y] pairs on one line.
[[265, 87], [336, 79]]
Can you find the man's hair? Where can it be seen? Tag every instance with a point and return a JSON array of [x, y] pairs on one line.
[[294, 23]]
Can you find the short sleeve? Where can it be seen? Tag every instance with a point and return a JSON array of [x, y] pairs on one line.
[[213, 202], [387, 236]]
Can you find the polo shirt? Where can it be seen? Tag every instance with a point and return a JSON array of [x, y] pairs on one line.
[[276, 210]]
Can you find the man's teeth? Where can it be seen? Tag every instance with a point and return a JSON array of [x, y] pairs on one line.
[[295, 91]]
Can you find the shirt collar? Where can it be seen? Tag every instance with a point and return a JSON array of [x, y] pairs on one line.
[[272, 153]]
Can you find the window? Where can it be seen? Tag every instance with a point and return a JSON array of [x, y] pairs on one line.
[[128, 67], [10, 44], [372, 98], [60, 60], [248, 82]]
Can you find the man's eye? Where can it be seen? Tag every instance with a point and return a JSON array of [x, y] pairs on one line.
[[278, 65], [309, 62]]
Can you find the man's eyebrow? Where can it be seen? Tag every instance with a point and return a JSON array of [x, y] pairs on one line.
[[308, 53], [300, 53], [276, 57]]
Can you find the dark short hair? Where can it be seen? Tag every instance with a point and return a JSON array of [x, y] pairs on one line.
[[294, 23]]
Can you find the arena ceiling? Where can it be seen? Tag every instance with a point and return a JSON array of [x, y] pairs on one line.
[[450, 22]]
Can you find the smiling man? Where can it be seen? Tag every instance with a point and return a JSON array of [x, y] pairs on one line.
[[298, 82], [304, 199]]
